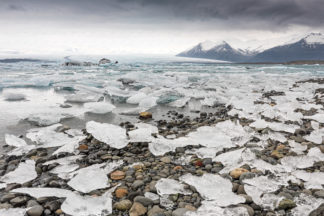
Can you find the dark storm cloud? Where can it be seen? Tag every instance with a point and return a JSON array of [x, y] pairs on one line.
[[247, 13]]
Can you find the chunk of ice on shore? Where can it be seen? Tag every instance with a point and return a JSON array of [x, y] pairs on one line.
[[214, 187], [25, 172], [211, 208], [276, 126], [170, 186], [143, 133], [312, 180], [160, 145], [148, 102], [297, 147], [3, 185], [82, 97], [110, 134], [136, 98], [99, 107], [66, 167], [305, 204], [179, 103], [319, 117], [21, 150], [43, 192], [77, 205], [89, 180], [13, 212], [46, 119], [13, 140]]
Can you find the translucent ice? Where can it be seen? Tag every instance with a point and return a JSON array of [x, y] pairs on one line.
[[99, 107], [179, 103], [211, 208], [136, 98], [112, 135], [214, 187], [13, 212], [296, 147], [25, 172], [276, 126], [11, 96], [46, 119], [312, 180], [170, 186], [12, 140], [305, 204], [143, 133], [43, 192]]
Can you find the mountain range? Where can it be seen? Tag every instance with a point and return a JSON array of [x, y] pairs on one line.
[[309, 48]]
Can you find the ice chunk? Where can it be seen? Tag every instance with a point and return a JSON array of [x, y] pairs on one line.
[[43, 192], [21, 150], [319, 117], [143, 133], [179, 103], [305, 204], [208, 101], [137, 98], [10, 96], [46, 119], [315, 136], [88, 180], [316, 154], [112, 135], [99, 107], [3, 185], [148, 102], [25, 172], [296, 147], [66, 167], [211, 208], [13, 212], [294, 162], [276, 126], [160, 145], [48, 137], [170, 186], [312, 180], [14, 141], [77, 205], [260, 189], [213, 187], [82, 97]]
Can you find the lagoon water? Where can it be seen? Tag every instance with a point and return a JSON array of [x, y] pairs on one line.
[[33, 93]]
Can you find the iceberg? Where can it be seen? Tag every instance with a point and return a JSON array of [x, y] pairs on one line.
[[112, 135]]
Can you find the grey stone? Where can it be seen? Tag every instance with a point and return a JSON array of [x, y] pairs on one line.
[[5, 206], [152, 186], [319, 194], [7, 197], [207, 161], [166, 159], [53, 205], [143, 200], [137, 184], [318, 212], [36, 210], [155, 211], [32, 203], [18, 201], [249, 209]]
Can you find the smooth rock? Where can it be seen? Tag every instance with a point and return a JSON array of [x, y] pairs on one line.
[[123, 205], [121, 192], [117, 175], [236, 173], [36, 210], [137, 209], [286, 204], [143, 200]]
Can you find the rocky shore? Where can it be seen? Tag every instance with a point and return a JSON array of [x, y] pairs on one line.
[[160, 167]]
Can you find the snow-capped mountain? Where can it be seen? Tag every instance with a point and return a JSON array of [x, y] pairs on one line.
[[211, 50], [310, 47]]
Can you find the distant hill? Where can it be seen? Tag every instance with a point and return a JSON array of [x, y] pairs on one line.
[[309, 48], [15, 60]]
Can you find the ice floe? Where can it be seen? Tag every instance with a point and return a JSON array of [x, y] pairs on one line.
[[170, 186], [110, 134], [99, 107], [214, 188], [25, 172]]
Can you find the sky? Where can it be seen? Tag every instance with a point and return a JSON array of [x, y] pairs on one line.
[[67, 27]]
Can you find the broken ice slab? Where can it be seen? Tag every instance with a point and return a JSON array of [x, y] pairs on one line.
[[88, 180], [179, 103], [319, 117], [211, 208], [136, 98], [46, 119], [43, 192], [170, 186], [77, 205], [143, 133], [305, 204], [99, 107], [112, 135], [15, 141], [148, 102], [82, 97], [214, 188], [21, 150], [276, 126], [312, 180], [25, 172], [297, 147], [13, 212]]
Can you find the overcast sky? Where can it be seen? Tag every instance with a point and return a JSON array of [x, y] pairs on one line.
[[150, 26]]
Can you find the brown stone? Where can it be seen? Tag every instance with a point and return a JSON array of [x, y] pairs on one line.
[[145, 115], [177, 168], [321, 147], [117, 175], [59, 211], [121, 192], [280, 147], [83, 147], [137, 209], [276, 154], [236, 173]]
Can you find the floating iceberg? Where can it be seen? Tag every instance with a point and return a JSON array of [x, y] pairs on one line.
[[25, 172], [214, 188], [112, 135]]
